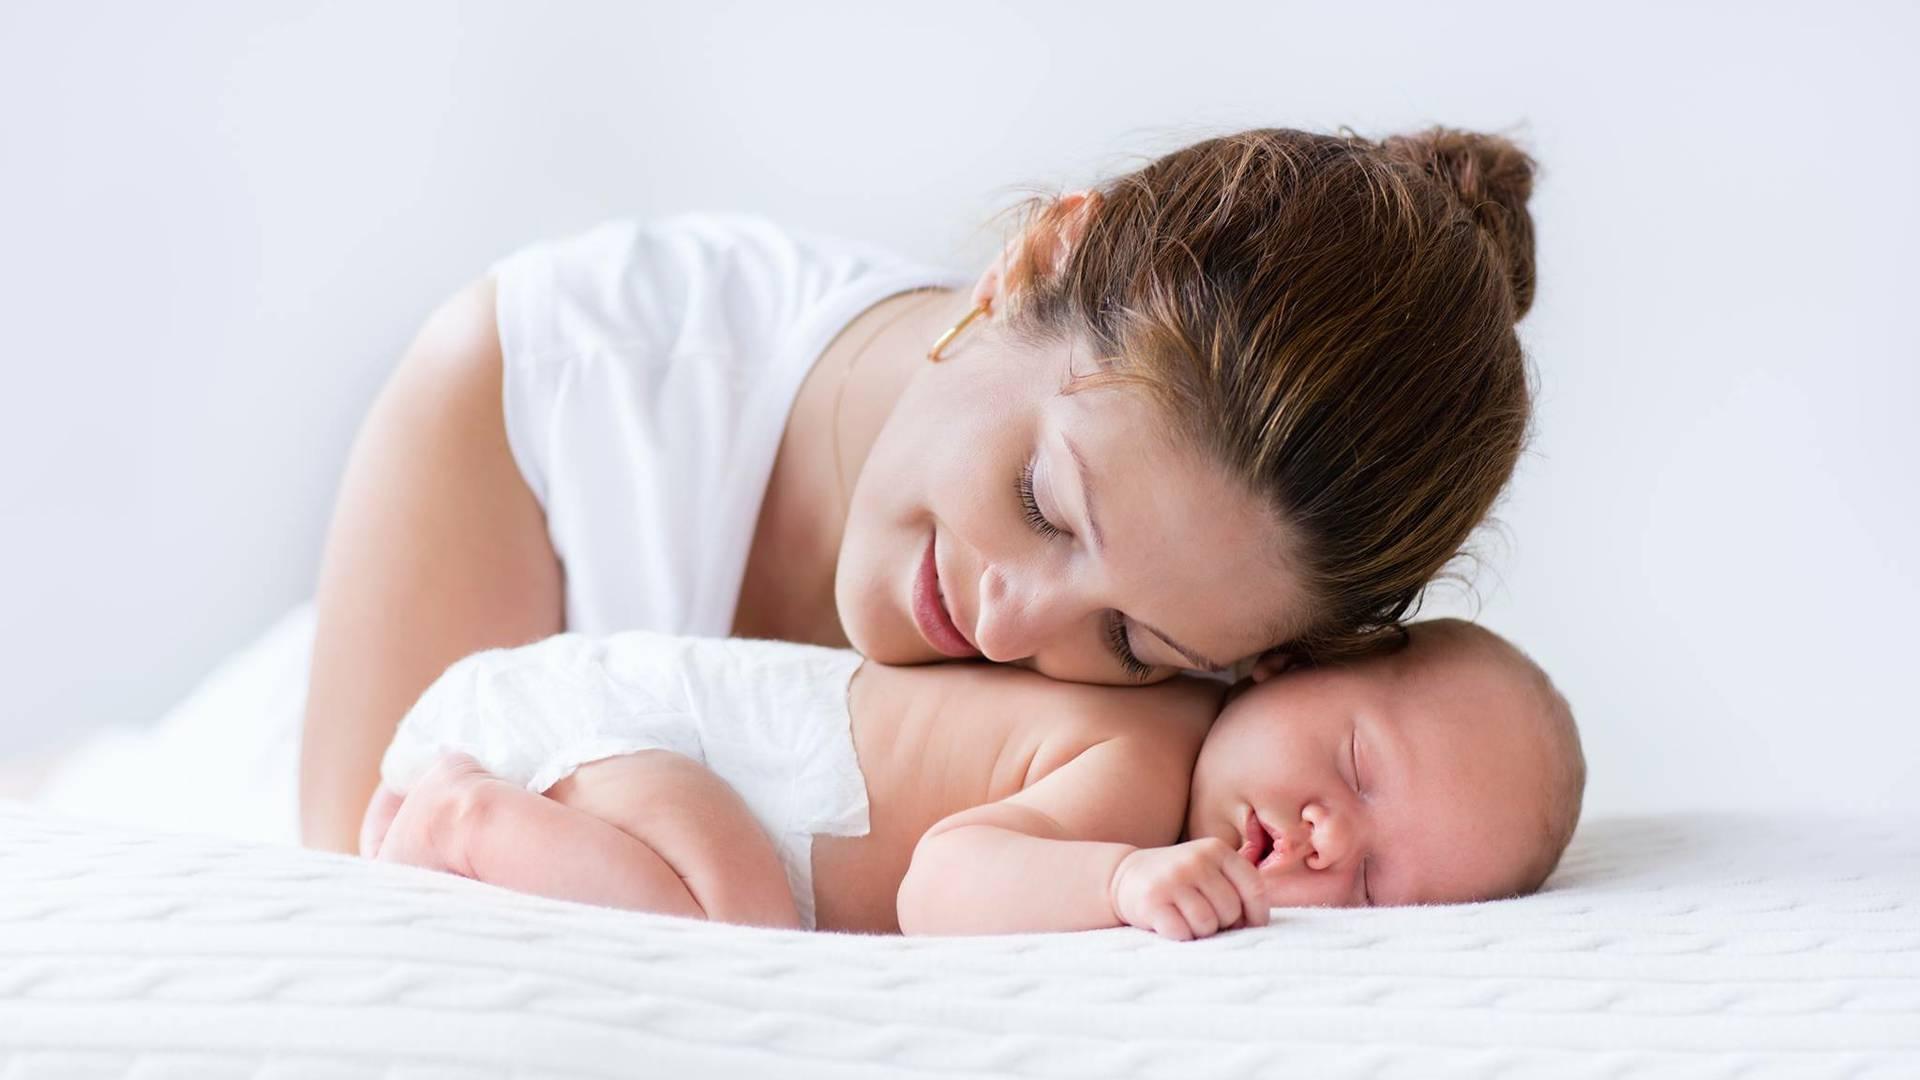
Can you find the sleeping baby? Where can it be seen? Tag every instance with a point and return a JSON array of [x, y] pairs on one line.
[[791, 785]]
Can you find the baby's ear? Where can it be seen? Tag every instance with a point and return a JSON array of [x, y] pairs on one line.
[[1274, 662], [1235, 689]]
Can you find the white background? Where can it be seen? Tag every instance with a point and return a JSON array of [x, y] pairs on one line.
[[220, 224]]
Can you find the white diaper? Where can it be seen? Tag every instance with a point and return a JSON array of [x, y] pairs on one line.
[[768, 717]]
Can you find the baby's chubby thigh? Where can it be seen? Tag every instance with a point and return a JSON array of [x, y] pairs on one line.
[[604, 725], [696, 823]]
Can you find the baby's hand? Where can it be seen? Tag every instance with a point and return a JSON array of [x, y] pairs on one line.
[[424, 828], [1188, 891]]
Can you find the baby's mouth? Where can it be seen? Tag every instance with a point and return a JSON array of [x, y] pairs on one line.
[[1259, 842]]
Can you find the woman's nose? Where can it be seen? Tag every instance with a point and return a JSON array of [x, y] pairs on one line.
[[1046, 615], [1013, 615]]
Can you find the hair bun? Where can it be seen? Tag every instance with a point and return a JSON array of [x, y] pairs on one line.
[[1493, 179]]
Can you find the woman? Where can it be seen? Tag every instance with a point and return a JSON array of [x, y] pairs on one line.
[[1254, 394]]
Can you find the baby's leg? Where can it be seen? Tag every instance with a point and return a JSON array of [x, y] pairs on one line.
[[697, 828], [508, 836]]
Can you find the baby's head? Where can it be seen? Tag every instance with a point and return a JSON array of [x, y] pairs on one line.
[[1447, 770]]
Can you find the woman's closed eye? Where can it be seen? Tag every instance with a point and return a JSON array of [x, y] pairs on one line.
[[1122, 649], [1360, 789], [1353, 762], [1116, 623], [1030, 506]]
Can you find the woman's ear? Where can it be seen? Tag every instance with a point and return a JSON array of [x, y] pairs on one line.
[[1047, 242]]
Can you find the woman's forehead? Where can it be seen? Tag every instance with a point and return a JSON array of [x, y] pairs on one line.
[[1198, 553], [1122, 419]]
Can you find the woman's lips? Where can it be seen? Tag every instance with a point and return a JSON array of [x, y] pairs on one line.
[[930, 611]]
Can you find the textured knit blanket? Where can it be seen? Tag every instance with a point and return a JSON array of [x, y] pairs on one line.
[[1688, 946]]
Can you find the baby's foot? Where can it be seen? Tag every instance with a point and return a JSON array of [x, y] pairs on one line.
[[379, 818], [429, 827]]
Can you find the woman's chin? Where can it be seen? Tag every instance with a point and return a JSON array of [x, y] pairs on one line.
[[893, 649], [876, 618], [888, 641]]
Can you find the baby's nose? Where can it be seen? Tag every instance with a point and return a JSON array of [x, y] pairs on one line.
[[1326, 836], [1292, 843]]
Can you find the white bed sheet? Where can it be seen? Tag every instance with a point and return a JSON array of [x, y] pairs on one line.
[[1708, 946]]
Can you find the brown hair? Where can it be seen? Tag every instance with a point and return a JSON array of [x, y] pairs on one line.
[[1332, 319]]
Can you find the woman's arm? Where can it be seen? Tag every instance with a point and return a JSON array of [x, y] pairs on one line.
[[437, 549]]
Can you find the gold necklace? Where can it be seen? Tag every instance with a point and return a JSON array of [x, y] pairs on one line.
[[840, 397]]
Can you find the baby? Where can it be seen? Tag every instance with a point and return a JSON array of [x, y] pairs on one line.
[[797, 786]]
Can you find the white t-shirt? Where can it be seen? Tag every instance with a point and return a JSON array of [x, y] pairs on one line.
[[649, 370]]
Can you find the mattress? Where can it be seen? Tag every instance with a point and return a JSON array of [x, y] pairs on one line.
[[1683, 946]]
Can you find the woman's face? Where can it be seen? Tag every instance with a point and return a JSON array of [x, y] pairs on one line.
[[1070, 533]]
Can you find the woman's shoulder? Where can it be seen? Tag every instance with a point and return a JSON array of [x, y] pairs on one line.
[[650, 249], [715, 281], [631, 283]]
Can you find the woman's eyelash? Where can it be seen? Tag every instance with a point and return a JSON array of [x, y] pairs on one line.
[[1123, 650], [1031, 507], [1116, 623]]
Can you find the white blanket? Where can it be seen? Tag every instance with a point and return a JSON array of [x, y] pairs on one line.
[[1689, 947]]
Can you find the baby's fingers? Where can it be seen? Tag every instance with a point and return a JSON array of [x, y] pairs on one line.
[[1170, 924], [1198, 910], [1253, 892], [1224, 897]]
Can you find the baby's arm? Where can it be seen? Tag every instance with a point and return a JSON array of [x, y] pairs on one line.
[[667, 853], [1080, 850]]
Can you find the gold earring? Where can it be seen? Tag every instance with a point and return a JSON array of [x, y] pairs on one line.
[[954, 332]]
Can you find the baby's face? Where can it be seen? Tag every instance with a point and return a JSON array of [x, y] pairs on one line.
[[1415, 777]]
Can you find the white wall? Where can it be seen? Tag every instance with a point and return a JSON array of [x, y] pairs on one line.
[[221, 223]]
